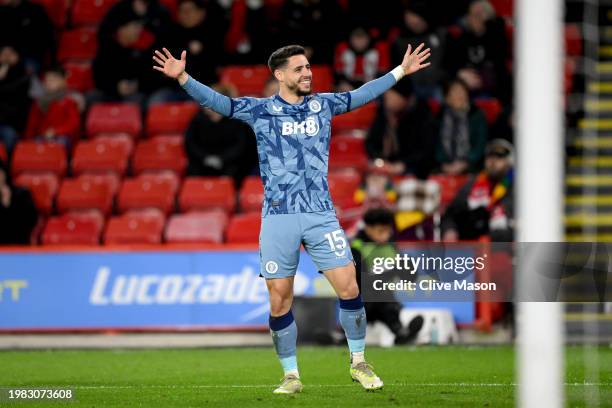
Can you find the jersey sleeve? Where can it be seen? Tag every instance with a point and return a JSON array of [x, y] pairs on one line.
[[339, 103], [242, 108]]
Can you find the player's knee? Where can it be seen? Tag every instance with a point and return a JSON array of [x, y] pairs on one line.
[[350, 291], [279, 306]]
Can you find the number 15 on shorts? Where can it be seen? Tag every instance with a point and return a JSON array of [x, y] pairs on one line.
[[337, 243]]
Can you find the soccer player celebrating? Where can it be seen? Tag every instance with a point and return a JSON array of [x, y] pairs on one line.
[[293, 130]]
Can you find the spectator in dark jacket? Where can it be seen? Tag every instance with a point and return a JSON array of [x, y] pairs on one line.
[[484, 206], [417, 28], [14, 97], [216, 145], [26, 27], [403, 133], [18, 215], [126, 39], [478, 55], [54, 115], [462, 131]]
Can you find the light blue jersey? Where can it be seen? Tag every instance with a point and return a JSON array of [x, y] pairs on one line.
[[292, 140]]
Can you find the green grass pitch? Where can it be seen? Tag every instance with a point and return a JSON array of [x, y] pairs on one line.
[[244, 377]]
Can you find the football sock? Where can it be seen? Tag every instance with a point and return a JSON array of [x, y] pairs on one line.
[[284, 335], [353, 321]]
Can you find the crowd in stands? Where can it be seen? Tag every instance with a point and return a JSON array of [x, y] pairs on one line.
[[62, 63]]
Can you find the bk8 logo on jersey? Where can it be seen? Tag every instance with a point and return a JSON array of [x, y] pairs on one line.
[[310, 127]]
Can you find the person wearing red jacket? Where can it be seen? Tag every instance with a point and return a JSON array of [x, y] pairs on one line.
[[54, 115]]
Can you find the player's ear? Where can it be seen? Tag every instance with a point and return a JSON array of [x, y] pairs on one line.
[[278, 74]]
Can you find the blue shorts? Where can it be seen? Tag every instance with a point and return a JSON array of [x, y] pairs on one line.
[[281, 235]]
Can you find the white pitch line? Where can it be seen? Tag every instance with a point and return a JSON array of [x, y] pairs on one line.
[[195, 386]]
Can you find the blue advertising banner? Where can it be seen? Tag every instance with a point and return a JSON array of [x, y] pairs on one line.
[[97, 290]]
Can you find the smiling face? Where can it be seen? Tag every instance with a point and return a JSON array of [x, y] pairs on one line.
[[296, 75]]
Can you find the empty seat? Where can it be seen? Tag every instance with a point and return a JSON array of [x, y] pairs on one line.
[[170, 117], [100, 156], [34, 156], [147, 192], [79, 76], [573, 40], [85, 194], [244, 228], [43, 187], [159, 153], [73, 229], [347, 152], [322, 78], [197, 227], [491, 108], [141, 227], [251, 194], [3, 153], [78, 44], [449, 186], [360, 118], [123, 140], [114, 118], [204, 193], [342, 186], [90, 12], [249, 80]]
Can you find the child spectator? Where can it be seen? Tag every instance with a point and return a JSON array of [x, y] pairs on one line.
[[54, 115]]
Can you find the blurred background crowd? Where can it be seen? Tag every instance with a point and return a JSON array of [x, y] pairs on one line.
[[112, 152]]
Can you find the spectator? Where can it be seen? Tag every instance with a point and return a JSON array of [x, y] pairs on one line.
[[503, 128], [484, 206], [403, 133], [54, 115], [270, 87], [315, 22], [18, 215], [126, 39], [462, 131], [478, 55], [216, 145], [26, 27], [14, 98], [416, 29], [376, 240], [359, 60]]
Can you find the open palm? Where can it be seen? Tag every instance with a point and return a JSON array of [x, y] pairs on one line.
[[415, 60], [169, 65]]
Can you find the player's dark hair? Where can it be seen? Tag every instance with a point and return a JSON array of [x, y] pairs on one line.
[[279, 58], [379, 216]]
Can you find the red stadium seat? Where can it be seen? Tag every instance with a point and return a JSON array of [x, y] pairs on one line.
[[3, 153], [110, 180], [358, 119], [79, 76], [347, 152], [56, 9], [342, 186], [78, 44], [147, 192], [197, 227], [573, 40], [170, 117], [249, 80], [142, 227], [90, 12], [204, 193], [73, 229], [491, 108], [34, 156], [434, 105], [159, 153], [251, 194], [100, 156], [43, 187], [322, 78], [503, 8], [114, 118], [85, 194], [244, 228], [167, 176], [121, 139], [449, 186]]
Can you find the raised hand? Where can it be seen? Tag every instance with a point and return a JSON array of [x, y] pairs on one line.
[[415, 60], [169, 65]]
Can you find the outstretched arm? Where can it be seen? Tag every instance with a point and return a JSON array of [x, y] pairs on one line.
[[413, 62], [204, 95]]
